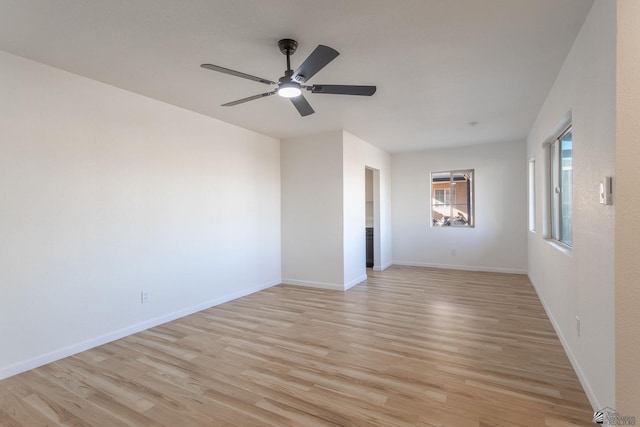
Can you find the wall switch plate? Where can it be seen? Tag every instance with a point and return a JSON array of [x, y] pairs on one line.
[[578, 326], [606, 191], [145, 297]]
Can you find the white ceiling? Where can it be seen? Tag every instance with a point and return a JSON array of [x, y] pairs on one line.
[[440, 65]]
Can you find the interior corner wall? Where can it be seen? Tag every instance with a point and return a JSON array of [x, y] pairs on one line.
[[323, 209], [580, 283], [627, 199], [106, 193], [498, 240], [312, 211]]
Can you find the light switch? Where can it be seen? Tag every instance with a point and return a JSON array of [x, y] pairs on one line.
[[606, 191]]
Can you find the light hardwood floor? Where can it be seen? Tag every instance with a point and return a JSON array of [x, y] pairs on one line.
[[409, 347]]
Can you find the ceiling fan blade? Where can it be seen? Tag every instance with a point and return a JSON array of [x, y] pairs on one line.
[[302, 105], [320, 57], [250, 98], [343, 89], [237, 73]]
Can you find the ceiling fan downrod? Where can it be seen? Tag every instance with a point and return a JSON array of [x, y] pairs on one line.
[[288, 47]]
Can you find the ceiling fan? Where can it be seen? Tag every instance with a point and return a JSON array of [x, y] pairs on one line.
[[293, 82]]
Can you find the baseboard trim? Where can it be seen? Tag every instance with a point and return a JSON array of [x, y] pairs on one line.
[[383, 267], [310, 284], [35, 362], [461, 267], [354, 282], [323, 285], [593, 400]]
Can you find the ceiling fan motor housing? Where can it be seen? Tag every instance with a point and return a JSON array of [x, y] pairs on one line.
[[288, 46]]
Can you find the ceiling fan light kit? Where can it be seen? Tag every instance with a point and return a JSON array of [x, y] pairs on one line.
[[291, 84], [289, 91]]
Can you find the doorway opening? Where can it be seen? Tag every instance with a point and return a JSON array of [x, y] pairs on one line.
[[372, 217]]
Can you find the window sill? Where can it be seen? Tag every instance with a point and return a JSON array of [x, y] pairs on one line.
[[445, 227], [567, 250]]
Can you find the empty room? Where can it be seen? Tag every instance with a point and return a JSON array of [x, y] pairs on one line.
[[437, 228]]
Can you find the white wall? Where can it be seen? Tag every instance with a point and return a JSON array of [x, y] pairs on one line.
[[498, 241], [105, 193], [354, 225], [627, 240], [581, 283], [312, 211]]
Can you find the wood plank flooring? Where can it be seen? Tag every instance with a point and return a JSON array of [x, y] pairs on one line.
[[408, 347]]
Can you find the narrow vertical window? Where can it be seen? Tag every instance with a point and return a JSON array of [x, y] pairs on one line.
[[561, 179], [532, 195], [452, 198]]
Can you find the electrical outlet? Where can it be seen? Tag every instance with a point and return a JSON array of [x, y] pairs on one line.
[[145, 297], [453, 252], [578, 326]]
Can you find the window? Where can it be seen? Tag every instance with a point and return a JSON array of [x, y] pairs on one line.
[[532, 195], [452, 198], [561, 177]]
